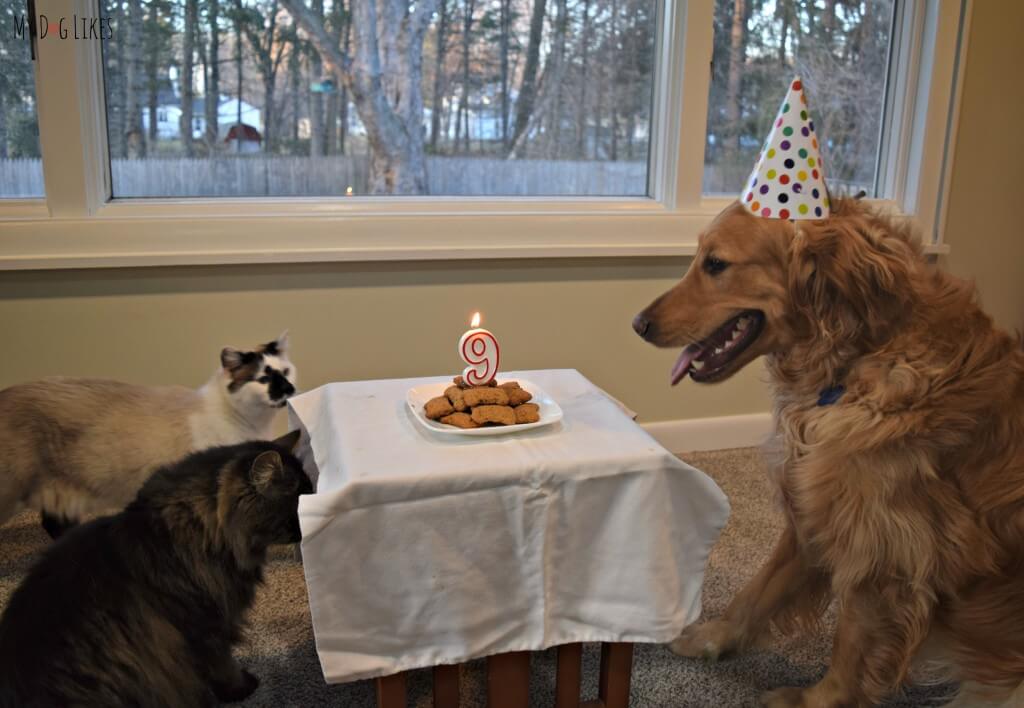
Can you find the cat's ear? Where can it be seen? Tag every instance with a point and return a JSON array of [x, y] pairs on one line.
[[267, 471], [282, 342], [290, 441], [231, 358]]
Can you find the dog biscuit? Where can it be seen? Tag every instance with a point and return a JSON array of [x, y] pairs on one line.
[[509, 385], [460, 420], [482, 396], [502, 415], [527, 413], [461, 383], [518, 396], [437, 407], [454, 394]]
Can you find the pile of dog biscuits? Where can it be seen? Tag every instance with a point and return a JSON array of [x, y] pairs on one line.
[[466, 406]]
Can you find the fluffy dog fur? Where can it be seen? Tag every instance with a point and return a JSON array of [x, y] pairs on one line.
[[905, 497]]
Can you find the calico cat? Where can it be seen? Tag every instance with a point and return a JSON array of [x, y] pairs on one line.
[[74, 448], [142, 608]]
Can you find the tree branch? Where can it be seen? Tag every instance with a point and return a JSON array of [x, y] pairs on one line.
[[328, 49]]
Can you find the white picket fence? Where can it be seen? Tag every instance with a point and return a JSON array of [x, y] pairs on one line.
[[257, 176]]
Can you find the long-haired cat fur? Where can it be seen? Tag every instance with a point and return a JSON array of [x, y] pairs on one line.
[[75, 448], [142, 608]]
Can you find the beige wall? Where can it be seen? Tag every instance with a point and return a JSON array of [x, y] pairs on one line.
[[356, 321], [392, 320], [984, 226]]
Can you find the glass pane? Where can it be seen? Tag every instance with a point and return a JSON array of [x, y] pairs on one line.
[[21, 170], [211, 98], [839, 48]]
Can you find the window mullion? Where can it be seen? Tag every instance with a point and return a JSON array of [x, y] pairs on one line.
[[71, 116], [692, 109]]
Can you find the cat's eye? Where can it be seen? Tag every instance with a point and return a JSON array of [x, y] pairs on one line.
[[714, 266]]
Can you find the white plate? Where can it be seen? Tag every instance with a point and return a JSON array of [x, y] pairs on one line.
[[550, 412]]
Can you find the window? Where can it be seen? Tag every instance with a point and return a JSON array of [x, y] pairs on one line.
[[21, 171], [625, 150], [510, 98], [840, 51]]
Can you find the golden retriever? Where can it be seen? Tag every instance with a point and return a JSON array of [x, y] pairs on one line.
[[899, 409]]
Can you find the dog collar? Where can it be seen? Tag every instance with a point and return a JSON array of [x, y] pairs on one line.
[[830, 395]]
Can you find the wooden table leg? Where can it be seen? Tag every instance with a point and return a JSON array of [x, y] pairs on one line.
[[391, 691], [508, 680], [446, 686], [616, 671], [567, 678]]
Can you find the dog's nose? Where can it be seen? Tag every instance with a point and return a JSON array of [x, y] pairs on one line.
[[641, 325]]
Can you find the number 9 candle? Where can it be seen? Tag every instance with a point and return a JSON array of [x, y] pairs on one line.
[[479, 349]]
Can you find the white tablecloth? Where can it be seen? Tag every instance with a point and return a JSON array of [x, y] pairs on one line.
[[422, 550]]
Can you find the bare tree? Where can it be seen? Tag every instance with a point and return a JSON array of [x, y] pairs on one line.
[[316, 99], [135, 143], [384, 77], [462, 115], [581, 106], [188, 46], [528, 88], [505, 29], [265, 38], [737, 56], [442, 49], [213, 76]]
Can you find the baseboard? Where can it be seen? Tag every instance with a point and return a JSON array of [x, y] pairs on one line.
[[700, 434]]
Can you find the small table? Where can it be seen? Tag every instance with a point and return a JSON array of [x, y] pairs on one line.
[[422, 550]]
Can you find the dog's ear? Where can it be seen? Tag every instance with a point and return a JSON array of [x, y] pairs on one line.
[[849, 277]]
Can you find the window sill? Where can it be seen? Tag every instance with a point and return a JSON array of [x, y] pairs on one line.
[[158, 233]]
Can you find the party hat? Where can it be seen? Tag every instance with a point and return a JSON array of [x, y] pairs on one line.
[[788, 181]]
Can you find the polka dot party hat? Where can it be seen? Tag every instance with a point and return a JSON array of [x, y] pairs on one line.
[[788, 181]]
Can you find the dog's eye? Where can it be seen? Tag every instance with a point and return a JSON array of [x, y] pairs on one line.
[[714, 266], [263, 379], [286, 372]]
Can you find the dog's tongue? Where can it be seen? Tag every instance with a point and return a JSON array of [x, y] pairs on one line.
[[683, 362]]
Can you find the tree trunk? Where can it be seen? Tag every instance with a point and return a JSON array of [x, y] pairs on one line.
[[439, 66], [555, 123], [135, 143], [187, 69], [346, 48], [467, 26], [3, 127], [581, 107], [737, 55], [528, 87], [238, 64], [316, 100], [115, 74], [784, 11], [213, 78], [615, 82], [506, 28], [385, 83]]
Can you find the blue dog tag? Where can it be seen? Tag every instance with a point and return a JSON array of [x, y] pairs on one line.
[[830, 395]]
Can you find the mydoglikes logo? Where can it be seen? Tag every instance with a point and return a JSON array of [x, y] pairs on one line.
[[64, 27]]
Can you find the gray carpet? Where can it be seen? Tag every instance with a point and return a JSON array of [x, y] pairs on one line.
[[280, 641]]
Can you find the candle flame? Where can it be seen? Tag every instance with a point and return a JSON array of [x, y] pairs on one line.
[[476, 320], [348, 192]]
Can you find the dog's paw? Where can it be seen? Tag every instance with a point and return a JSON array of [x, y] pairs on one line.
[[787, 697], [709, 641]]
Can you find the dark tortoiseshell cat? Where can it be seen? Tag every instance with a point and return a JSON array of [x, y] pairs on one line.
[[142, 608]]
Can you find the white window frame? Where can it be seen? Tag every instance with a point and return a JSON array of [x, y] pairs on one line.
[[77, 225]]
